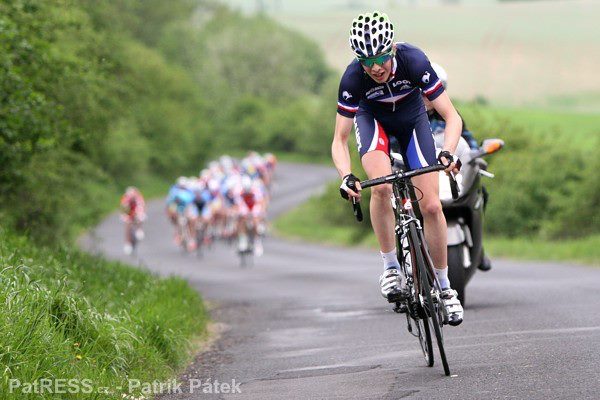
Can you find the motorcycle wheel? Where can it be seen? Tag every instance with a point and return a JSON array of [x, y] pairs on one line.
[[456, 271]]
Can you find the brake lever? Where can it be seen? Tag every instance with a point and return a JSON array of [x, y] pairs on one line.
[[357, 210], [453, 186]]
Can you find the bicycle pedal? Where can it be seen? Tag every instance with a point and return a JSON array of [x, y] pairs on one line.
[[401, 308], [396, 296]]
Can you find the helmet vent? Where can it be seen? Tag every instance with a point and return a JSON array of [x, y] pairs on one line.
[[370, 34]]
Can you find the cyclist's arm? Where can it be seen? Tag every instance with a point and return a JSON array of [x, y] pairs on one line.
[[453, 130], [339, 147], [349, 94]]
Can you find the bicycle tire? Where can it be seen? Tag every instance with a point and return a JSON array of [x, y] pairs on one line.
[[423, 331], [425, 342], [425, 288], [199, 241], [132, 239]]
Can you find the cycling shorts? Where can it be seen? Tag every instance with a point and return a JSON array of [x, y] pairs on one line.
[[206, 212], [413, 135]]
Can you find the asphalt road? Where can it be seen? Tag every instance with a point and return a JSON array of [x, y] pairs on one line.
[[308, 322]]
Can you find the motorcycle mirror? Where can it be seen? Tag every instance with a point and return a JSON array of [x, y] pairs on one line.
[[492, 145]]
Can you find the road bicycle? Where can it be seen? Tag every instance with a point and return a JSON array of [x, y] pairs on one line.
[[135, 233], [183, 232], [420, 300], [247, 254]]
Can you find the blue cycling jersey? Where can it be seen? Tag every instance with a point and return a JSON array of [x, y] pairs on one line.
[[411, 74], [180, 196]]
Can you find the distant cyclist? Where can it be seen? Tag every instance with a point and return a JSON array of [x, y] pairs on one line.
[[181, 208], [380, 92], [250, 202], [133, 213]]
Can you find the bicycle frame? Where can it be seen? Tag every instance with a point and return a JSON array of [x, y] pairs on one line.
[[423, 303]]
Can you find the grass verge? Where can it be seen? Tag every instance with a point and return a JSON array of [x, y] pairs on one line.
[[584, 251], [67, 314]]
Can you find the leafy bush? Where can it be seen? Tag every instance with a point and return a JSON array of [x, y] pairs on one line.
[[546, 184], [102, 94]]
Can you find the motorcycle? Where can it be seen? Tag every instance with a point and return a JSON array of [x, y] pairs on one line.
[[465, 215]]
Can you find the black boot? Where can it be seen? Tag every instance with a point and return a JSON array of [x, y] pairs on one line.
[[486, 264]]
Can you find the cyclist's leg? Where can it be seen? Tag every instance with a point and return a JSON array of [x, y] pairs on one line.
[[171, 210], [206, 217], [128, 246], [373, 147], [257, 217], [433, 218], [244, 214], [374, 152], [418, 151], [192, 218], [128, 227]]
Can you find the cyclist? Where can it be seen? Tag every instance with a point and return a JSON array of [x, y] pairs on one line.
[[381, 90], [229, 192], [250, 210], [133, 214], [181, 203]]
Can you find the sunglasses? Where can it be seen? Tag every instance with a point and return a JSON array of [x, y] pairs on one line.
[[379, 60]]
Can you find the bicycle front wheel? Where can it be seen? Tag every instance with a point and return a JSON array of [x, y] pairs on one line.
[[432, 311], [425, 338]]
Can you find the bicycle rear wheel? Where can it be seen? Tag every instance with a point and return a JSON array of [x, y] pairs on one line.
[[432, 313]]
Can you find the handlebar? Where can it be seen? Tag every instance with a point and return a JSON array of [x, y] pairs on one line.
[[400, 175]]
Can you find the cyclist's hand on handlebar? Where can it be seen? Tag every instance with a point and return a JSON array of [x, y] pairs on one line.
[[350, 187], [450, 161]]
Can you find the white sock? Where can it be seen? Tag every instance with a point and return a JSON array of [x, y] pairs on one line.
[[390, 260], [442, 275]]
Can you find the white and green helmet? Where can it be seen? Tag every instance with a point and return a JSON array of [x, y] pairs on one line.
[[371, 34]]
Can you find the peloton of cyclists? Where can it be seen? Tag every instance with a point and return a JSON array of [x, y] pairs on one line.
[[228, 200]]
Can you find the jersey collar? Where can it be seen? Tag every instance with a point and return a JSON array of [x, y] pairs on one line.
[[394, 66]]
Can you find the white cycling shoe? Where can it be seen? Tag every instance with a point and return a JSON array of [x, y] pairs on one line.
[[258, 247], [391, 285], [243, 243], [128, 249], [453, 306]]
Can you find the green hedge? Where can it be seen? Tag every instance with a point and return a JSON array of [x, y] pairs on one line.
[[98, 95], [546, 183]]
